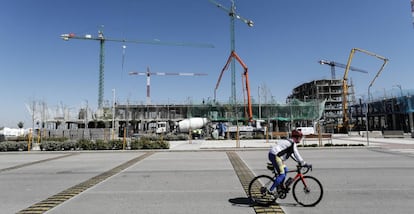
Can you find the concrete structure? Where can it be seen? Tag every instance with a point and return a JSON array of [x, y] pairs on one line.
[[325, 89], [386, 114]]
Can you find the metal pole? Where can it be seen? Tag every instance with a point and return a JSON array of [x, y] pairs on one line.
[[260, 108], [366, 116], [232, 49], [113, 114]]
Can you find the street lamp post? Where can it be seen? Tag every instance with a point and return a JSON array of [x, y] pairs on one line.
[[399, 86], [260, 107]]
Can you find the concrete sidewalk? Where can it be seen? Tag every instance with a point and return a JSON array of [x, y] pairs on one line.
[[336, 140]]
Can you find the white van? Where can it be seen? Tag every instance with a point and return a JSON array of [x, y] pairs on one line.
[[306, 130]]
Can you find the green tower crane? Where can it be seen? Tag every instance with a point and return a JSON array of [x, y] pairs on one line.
[[233, 15]]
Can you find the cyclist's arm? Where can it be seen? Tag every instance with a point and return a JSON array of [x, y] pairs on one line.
[[296, 156]]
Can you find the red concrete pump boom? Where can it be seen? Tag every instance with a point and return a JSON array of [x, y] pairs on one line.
[[248, 109]]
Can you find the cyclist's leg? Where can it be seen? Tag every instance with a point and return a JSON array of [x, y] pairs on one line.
[[280, 168]]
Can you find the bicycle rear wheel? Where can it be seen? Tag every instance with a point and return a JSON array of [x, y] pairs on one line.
[[307, 191], [259, 190]]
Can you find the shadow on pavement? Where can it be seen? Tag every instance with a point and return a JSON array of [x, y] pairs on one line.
[[246, 201], [242, 201]]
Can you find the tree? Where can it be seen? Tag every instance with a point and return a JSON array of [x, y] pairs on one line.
[[20, 125]]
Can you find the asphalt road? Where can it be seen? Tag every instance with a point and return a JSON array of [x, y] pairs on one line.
[[355, 180]]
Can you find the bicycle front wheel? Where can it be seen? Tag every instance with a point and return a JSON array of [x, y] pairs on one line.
[[259, 190], [307, 191]]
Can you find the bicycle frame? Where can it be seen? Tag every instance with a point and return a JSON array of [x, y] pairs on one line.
[[299, 174], [306, 192]]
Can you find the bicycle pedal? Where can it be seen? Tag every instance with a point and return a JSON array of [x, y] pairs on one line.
[[282, 195]]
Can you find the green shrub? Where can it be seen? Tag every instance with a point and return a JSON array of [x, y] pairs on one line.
[[9, 146], [146, 143], [116, 144], [163, 145], [69, 145], [49, 146], [175, 137], [58, 146], [137, 144], [142, 143], [100, 145], [84, 144]]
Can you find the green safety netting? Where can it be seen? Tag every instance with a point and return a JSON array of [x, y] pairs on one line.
[[297, 110]]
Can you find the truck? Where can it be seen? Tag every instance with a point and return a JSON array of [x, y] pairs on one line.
[[161, 127], [183, 126], [256, 127], [193, 123]]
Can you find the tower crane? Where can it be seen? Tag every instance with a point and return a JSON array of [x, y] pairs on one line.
[[102, 41], [148, 74], [337, 64], [233, 15]]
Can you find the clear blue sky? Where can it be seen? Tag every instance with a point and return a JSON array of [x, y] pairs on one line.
[[281, 50]]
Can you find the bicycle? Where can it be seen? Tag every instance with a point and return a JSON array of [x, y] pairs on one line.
[[307, 190]]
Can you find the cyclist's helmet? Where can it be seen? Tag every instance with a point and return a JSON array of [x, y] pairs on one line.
[[297, 133]]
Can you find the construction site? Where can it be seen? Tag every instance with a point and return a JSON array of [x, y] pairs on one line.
[[325, 105], [313, 104]]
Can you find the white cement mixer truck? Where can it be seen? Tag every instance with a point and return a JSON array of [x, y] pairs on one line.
[[193, 123], [196, 124]]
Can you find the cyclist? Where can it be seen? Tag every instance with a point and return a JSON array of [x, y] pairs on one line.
[[281, 152]]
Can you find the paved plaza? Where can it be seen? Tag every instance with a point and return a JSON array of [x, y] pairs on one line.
[[200, 176]]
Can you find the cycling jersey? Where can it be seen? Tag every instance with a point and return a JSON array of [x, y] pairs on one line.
[[286, 148]]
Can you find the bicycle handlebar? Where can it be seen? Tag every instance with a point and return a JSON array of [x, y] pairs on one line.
[[306, 168], [299, 168], [302, 169]]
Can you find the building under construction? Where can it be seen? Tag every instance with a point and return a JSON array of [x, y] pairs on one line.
[[315, 101], [325, 89], [278, 117], [384, 113]]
